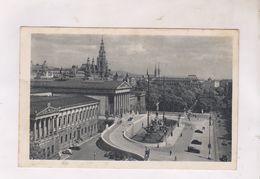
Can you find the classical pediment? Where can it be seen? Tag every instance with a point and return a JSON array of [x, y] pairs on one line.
[[124, 85], [47, 110]]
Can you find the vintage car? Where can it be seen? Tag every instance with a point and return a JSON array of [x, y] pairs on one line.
[[67, 151], [193, 150], [198, 131], [195, 141]]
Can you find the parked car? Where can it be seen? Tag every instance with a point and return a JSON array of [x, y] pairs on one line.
[[67, 151], [223, 158], [75, 147], [195, 141], [193, 150], [130, 118], [224, 143], [198, 131]]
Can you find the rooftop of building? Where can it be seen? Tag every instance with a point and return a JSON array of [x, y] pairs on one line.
[[39, 103], [85, 84]]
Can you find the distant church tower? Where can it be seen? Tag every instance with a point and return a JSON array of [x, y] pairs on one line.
[[155, 71], [102, 64], [158, 71]]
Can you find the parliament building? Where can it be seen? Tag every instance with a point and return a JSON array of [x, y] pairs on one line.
[[60, 122]]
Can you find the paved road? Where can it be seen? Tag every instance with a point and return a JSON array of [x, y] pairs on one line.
[[189, 135], [179, 148], [87, 151], [116, 138]]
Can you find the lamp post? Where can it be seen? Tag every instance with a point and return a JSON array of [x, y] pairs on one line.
[[209, 145], [163, 99], [179, 117], [148, 103]]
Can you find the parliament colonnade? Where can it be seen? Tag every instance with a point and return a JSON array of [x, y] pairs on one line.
[[121, 102], [48, 125], [56, 129]]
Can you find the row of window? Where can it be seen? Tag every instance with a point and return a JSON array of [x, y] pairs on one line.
[[89, 129], [77, 116]]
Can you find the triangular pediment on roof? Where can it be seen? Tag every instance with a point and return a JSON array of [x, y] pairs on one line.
[[47, 110], [124, 85]]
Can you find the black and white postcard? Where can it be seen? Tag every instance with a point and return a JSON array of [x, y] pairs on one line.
[[128, 98]]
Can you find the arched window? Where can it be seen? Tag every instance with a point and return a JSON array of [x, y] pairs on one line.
[[72, 117], [64, 119], [84, 114], [60, 121], [87, 114], [69, 119]]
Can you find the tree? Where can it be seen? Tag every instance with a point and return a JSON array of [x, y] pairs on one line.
[[36, 151]]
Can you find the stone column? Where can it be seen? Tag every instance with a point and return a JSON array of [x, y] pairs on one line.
[[35, 130], [87, 113], [84, 114], [44, 128], [125, 104], [116, 105], [40, 128], [123, 96], [57, 123], [79, 116], [128, 105], [71, 119], [114, 112], [91, 113], [53, 125], [49, 126], [120, 103]]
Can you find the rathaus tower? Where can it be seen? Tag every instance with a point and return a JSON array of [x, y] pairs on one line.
[[102, 64]]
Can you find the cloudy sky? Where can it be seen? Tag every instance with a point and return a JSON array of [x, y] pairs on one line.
[[177, 55]]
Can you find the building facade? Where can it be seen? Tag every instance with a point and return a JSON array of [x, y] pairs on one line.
[[114, 96], [190, 80], [58, 123]]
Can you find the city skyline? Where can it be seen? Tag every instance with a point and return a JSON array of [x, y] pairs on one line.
[[177, 55]]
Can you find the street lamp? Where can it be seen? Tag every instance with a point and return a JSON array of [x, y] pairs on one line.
[[209, 145], [163, 100], [179, 117], [148, 103]]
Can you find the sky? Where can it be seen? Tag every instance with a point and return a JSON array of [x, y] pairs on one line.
[[178, 56]]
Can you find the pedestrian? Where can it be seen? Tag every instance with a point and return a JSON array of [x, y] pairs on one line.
[[94, 155], [170, 152], [181, 134], [175, 158]]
